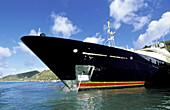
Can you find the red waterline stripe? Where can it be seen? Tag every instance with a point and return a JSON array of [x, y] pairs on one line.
[[109, 84]]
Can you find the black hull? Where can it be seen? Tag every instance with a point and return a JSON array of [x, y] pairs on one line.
[[111, 64]]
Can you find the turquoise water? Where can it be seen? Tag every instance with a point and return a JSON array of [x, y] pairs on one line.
[[48, 96]]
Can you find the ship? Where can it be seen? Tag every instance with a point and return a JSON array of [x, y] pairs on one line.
[[83, 66]]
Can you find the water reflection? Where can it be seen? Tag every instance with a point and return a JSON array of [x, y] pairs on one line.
[[109, 99], [90, 99], [129, 98], [112, 99], [48, 96]]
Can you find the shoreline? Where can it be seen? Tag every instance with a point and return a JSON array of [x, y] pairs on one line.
[[32, 81]]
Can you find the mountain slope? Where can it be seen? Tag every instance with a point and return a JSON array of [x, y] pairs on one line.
[[32, 76], [46, 75], [20, 77]]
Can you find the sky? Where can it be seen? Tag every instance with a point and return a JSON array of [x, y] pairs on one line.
[[136, 22]]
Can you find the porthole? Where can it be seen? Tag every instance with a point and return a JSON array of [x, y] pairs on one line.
[[75, 50], [131, 58]]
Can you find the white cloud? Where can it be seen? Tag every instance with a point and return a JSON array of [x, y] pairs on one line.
[[4, 64], [63, 26], [4, 54], [155, 30], [123, 11], [22, 47], [95, 39], [7, 71], [34, 33]]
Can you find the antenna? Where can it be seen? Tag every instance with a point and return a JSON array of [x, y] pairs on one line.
[[110, 37]]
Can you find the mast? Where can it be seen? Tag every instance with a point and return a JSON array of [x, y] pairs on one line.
[[110, 37]]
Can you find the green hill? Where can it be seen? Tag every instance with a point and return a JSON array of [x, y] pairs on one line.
[[32, 76], [46, 76], [167, 43], [19, 77]]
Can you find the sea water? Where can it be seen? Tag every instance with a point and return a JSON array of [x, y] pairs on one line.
[[48, 96]]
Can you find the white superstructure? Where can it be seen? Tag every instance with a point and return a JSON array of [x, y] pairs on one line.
[[155, 52]]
